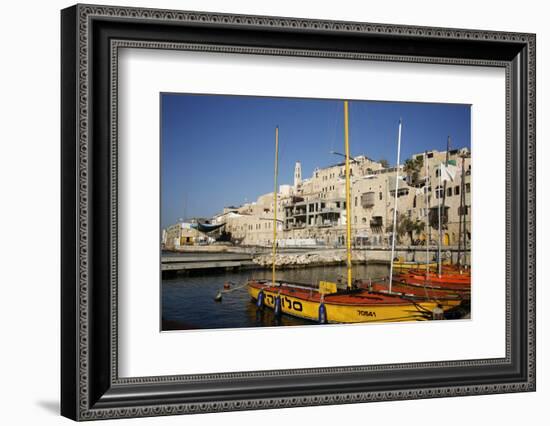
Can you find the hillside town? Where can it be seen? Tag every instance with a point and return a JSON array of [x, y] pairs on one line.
[[312, 211]]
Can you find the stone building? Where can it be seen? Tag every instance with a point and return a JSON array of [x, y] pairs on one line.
[[313, 210], [318, 208], [180, 234], [252, 223], [449, 194]]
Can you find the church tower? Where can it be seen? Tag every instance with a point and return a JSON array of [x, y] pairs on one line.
[[297, 175]]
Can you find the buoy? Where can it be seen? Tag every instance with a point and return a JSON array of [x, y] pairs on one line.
[[226, 286], [218, 297], [277, 307], [437, 313], [322, 314], [260, 300]]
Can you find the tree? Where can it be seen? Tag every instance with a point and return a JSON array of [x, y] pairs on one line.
[[416, 227], [384, 163], [412, 167], [406, 226]]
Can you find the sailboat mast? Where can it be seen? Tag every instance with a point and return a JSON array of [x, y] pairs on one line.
[[440, 189], [275, 204], [395, 205], [464, 207], [426, 204], [348, 195], [461, 211], [445, 181]]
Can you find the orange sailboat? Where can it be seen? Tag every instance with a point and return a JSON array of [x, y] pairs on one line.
[[445, 299]]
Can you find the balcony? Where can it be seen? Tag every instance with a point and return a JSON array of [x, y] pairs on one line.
[[367, 200], [376, 222]]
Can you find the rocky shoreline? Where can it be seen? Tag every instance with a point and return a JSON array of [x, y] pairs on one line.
[[310, 259]]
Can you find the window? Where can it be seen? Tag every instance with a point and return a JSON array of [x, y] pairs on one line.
[[467, 188], [449, 192], [463, 210], [414, 202], [379, 195], [438, 192], [457, 190]]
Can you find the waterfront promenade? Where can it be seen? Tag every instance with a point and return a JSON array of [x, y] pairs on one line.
[[195, 258]]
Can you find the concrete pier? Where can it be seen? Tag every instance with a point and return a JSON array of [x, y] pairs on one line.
[[292, 258], [194, 261]]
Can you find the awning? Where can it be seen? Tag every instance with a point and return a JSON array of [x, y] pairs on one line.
[[206, 227]]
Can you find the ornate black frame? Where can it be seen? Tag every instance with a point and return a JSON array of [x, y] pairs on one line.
[[91, 388]]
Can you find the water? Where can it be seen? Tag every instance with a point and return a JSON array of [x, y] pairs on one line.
[[188, 301]]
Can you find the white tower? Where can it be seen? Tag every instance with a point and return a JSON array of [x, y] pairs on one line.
[[297, 175]]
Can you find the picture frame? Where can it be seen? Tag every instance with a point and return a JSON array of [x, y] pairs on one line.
[[90, 384]]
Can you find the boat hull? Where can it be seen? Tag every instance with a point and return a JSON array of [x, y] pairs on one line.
[[456, 279], [446, 300], [300, 304], [463, 291], [408, 265], [405, 266]]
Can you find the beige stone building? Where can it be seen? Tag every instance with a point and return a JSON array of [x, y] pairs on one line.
[[313, 210], [252, 223], [317, 208], [180, 234]]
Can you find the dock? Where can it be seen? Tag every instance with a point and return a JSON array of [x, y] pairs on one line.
[[183, 262], [204, 261]]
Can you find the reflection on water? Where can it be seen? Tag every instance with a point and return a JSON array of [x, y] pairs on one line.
[[188, 301]]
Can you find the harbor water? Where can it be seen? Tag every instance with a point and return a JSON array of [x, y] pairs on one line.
[[188, 301]]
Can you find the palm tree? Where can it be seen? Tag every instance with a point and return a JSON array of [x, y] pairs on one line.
[[412, 167], [416, 227], [406, 226]]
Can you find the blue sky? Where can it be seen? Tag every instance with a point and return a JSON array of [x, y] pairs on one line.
[[219, 150]]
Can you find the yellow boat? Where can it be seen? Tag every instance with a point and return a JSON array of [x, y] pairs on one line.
[[405, 266], [357, 306]]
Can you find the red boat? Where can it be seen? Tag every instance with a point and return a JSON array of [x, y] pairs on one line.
[[447, 270], [444, 298], [435, 278], [458, 288]]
